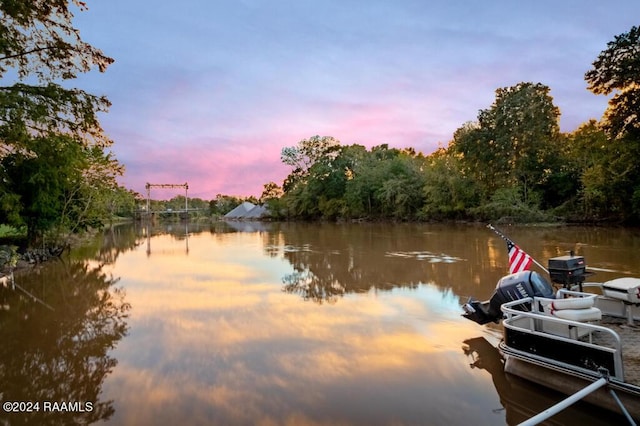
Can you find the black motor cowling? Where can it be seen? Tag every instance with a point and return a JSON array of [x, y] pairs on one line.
[[511, 287], [568, 270]]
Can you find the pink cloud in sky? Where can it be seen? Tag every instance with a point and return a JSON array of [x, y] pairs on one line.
[[239, 156], [241, 163]]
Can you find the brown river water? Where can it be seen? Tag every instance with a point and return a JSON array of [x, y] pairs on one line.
[[279, 324]]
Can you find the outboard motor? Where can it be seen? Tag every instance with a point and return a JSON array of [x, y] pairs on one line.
[[511, 287], [568, 270]]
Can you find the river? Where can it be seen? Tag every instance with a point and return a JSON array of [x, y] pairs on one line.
[[279, 324]]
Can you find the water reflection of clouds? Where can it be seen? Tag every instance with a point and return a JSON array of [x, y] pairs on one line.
[[214, 335]]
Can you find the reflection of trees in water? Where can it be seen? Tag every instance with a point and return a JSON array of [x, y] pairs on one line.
[[113, 242], [60, 355], [119, 239], [312, 287], [333, 259]]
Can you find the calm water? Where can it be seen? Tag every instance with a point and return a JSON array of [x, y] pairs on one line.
[[280, 324]]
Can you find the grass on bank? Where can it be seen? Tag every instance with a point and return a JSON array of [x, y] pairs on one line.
[[7, 231]]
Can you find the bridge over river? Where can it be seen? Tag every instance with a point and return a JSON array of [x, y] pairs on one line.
[[148, 213]]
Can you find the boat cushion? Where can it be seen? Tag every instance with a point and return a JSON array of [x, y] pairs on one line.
[[567, 303], [588, 314], [627, 289]]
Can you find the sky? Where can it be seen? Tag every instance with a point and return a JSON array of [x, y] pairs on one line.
[[208, 92]]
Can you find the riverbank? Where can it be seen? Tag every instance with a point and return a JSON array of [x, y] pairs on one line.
[[14, 259]]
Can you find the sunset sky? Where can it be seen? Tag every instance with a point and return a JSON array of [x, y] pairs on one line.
[[209, 92]]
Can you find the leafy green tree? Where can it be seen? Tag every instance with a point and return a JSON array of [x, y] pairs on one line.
[[312, 162], [178, 203], [62, 186], [366, 177], [477, 149], [514, 140], [198, 203], [583, 152], [39, 123], [272, 198], [448, 192], [609, 175], [197, 207], [616, 180], [122, 202], [349, 181], [401, 192], [37, 38], [617, 69], [28, 112], [304, 155], [308, 151], [271, 191]]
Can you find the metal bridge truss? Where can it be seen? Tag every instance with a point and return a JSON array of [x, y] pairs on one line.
[[185, 185]]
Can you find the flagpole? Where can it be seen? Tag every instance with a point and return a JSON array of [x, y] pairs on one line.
[[504, 237]]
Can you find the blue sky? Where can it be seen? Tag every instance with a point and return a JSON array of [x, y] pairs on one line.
[[209, 91]]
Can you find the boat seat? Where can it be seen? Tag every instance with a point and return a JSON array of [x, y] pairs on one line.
[[580, 315], [625, 289], [572, 308], [579, 309], [567, 303]]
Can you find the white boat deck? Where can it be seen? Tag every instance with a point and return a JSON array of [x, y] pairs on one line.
[[630, 337], [622, 314]]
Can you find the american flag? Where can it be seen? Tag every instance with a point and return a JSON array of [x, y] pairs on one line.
[[518, 259]]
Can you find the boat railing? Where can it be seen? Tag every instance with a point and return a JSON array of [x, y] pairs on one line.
[[563, 292], [522, 317]]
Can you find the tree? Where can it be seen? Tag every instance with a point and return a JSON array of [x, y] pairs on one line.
[[514, 140], [122, 202], [475, 148], [584, 150], [272, 198], [271, 191], [63, 185], [401, 192], [617, 69], [45, 121], [304, 155], [312, 162], [448, 192], [308, 151], [616, 179], [366, 177], [607, 174], [38, 39]]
